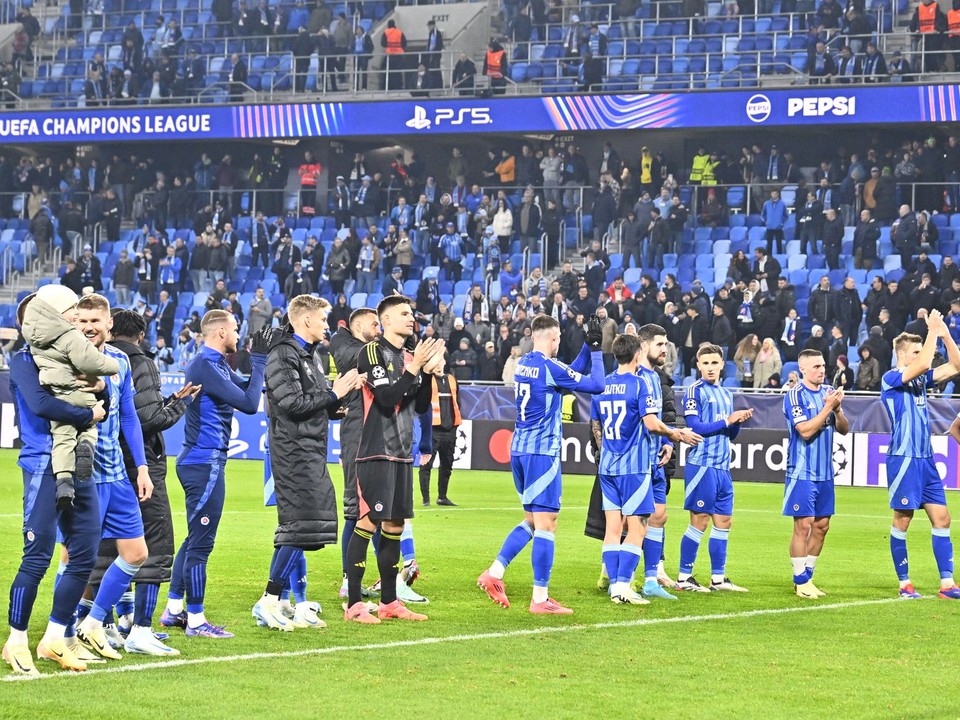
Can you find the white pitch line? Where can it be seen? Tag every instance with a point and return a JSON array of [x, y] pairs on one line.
[[642, 622]]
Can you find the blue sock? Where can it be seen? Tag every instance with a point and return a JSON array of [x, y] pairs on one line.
[[898, 549], [611, 561], [196, 587], [516, 541], [348, 526], [298, 580], [406, 543], [145, 603], [542, 557], [178, 578], [83, 608], [376, 541], [61, 567], [718, 551], [652, 552], [943, 551], [285, 559], [629, 557], [115, 582], [689, 546], [125, 605]]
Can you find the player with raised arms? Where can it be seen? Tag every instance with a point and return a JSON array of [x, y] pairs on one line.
[[813, 413], [913, 481], [535, 454], [708, 487]]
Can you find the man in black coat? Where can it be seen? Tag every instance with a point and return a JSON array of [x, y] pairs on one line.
[[156, 414], [766, 270], [299, 404], [694, 330], [345, 345], [238, 78]]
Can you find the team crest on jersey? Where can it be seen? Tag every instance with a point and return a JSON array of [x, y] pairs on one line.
[[691, 404], [699, 503], [378, 507], [378, 372], [30, 536], [904, 501], [796, 508], [204, 520]]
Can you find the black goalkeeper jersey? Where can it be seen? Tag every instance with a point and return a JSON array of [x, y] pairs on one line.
[[392, 398]]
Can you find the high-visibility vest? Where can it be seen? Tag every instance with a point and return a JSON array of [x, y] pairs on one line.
[[709, 172], [566, 407], [928, 17], [308, 174], [495, 63], [394, 41], [953, 23], [699, 163], [646, 169], [435, 401]]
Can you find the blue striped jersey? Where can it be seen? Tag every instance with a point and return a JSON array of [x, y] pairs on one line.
[[906, 404], [539, 383], [108, 463], [808, 459], [625, 449], [710, 403], [653, 400]]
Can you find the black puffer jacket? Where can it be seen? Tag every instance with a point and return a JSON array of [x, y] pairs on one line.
[[344, 348], [596, 523], [300, 404]]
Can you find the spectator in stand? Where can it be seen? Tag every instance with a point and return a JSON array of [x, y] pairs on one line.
[[821, 66], [403, 253], [905, 235], [766, 270], [810, 224], [123, 275], [589, 72], [865, 239], [774, 215], [744, 357], [506, 168], [869, 374], [238, 78], [297, 283], [832, 238], [767, 363], [660, 238], [874, 65], [261, 310], [503, 225], [368, 266], [464, 75], [421, 82], [338, 264], [489, 364]]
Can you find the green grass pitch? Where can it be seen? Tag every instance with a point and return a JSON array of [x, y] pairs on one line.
[[767, 654]]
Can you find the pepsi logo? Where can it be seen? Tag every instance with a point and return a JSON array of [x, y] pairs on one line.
[[759, 108]]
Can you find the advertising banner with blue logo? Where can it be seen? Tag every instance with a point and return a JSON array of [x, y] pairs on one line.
[[566, 113]]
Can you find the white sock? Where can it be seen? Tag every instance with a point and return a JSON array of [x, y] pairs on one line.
[[660, 570], [812, 561], [681, 577], [716, 578], [271, 598], [799, 565], [603, 570], [539, 594], [497, 569], [17, 637], [88, 624], [175, 607], [195, 620], [947, 582]]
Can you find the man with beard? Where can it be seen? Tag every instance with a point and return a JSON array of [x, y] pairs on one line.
[[203, 458]]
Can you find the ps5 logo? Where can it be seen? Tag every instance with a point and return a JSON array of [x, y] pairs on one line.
[[449, 116]]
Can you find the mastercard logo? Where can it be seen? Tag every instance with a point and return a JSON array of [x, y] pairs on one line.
[[499, 446]]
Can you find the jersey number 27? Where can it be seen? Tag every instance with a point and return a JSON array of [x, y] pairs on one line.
[[614, 412]]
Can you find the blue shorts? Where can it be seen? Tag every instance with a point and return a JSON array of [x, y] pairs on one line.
[[119, 511], [630, 494], [806, 498], [913, 483], [659, 482], [707, 490], [537, 479]]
